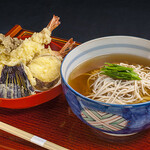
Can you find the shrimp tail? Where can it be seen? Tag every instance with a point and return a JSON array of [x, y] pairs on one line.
[[53, 23], [67, 47]]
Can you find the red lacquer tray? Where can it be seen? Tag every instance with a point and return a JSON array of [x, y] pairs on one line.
[[55, 122], [39, 98]]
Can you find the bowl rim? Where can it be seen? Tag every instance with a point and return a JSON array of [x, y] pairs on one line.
[[94, 101]]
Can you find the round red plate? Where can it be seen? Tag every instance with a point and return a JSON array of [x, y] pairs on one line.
[[33, 100]]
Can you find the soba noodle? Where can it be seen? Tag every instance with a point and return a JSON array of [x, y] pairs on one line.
[[105, 89]]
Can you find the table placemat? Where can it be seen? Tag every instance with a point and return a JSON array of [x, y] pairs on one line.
[[54, 121]]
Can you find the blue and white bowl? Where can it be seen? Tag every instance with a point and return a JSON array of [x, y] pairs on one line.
[[113, 119]]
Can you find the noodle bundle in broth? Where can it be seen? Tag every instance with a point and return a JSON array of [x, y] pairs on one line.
[[97, 86]]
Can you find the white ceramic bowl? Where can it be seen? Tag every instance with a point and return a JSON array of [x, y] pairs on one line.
[[113, 119]]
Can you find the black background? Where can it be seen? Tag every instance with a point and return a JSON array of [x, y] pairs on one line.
[[83, 20]]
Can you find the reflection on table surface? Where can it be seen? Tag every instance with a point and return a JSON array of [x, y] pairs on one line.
[[56, 122]]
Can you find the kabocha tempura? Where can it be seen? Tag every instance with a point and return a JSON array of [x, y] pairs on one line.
[[39, 66]]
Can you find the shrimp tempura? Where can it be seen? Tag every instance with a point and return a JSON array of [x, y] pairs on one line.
[[32, 46]]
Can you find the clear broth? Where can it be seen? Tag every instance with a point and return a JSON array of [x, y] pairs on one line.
[[78, 81]]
